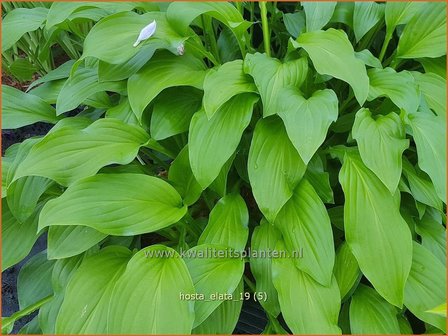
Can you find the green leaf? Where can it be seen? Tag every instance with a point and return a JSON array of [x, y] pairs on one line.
[[20, 21], [181, 14], [307, 120], [304, 224], [382, 316], [68, 241], [223, 320], [318, 14], [274, 166], [147, 296], [429, 134], [426, 286], [22, 69], [425, 34], [434, 65], [104, 142], [433, 88], [131, 204], [422, 188], [211, 275], [88, 293], [172, 111], [122, 111], [433, 236], [182, 178], [212, 142], [24, 194], [365, 16], [271, 76], [163, 71], [21, 109], [82, 85], [375, 230], [111, 39], [381, 143], [294, 23], [264, 238], [400, 12], [439, 310], [34, 280], [17, 237], [223, 83], [368, 59], [319, 305], [342, 64], [346, 270], [319, 179], [227, 224], [398, 86]]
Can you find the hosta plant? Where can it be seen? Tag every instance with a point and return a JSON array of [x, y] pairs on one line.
[[207, 153]]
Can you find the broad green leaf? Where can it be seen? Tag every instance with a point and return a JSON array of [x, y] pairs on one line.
[[425, 34], [271, 76], [213, 141], [34, 280], [307, 120], [405, 326], [111, 39], [381, 317], [59, 154], [24, 194], [319, 305], [20, 21], [18, 238], [318, 14], [88, 294], [264, 238], [433, 236], [21, 109], [294, 23], [227, 224], [429, 134], [122, 111], [82, 85], [398, 86], [68, 241], [365, 16], [400, 12], [319, 179], [223, 83], [116, 72], [332, 54], [163, 71], [346, 270], [434, 65], [22, 69], [146, 298], [223, 320], [426, 286], [422, 188], [274, 166], [212, 274], [130, 204], [433, 88], [343, 13], [374, 230], [220, 184], [304, 224], [368, 59], [60, 11], [63, 270], [172, 111], [182, 178], [381, 142], [181, 14]]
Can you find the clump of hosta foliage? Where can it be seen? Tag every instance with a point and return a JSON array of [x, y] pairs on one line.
[[312, 127]]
